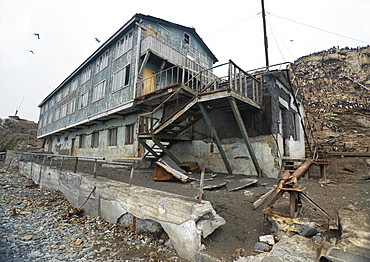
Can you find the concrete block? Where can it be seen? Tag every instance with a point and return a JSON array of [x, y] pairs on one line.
[[142, 225], [185, 237], [111, 210]]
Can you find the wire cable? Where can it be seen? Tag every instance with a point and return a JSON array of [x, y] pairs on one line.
[[326, 31], [233, 25]]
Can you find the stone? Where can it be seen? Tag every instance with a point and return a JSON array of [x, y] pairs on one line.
[[261, 246], [308, 230], [354, 244], [269, 239], [78, 241], [296, 248], [27, 237]]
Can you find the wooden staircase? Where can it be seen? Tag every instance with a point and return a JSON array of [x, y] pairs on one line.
[[238, 90]]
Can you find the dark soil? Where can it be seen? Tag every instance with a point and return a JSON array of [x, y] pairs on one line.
[[349, 185]]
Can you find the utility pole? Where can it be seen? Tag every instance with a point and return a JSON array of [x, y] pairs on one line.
[[265, 34]]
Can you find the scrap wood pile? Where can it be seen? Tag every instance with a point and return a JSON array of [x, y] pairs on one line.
[[289, 183]]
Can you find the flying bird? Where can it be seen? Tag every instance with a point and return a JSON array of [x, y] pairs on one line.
[[38, 35], [31, 51], [97, 40]]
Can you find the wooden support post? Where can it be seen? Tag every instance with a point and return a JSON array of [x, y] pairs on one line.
[[244, 133], [216, 139]]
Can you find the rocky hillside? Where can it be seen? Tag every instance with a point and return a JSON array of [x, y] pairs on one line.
[[335, 84], [18, 133]]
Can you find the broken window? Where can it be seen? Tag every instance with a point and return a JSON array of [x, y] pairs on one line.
[[95, 139], [84, 99], [129, 134], [112, 137], [186, 38], [121, 78]]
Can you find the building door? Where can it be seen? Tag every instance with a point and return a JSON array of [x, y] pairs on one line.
[[149, 81], [73, 147]]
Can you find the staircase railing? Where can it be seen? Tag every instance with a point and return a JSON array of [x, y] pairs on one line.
[[236, 80]]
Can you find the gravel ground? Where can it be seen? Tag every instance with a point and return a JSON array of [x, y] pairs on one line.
[[40, 225]]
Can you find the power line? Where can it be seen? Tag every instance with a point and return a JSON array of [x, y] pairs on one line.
[[233, 25], [326, 31]]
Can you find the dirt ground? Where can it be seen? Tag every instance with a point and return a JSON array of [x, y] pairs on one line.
[[348, 186]]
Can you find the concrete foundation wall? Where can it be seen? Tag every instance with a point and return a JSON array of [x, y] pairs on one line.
[[185, 221], [236, 152]]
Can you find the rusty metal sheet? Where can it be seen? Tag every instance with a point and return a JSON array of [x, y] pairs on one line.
[[164, 171]]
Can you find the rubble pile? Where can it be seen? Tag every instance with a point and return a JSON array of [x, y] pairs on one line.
[[335, 84], [40, 225]]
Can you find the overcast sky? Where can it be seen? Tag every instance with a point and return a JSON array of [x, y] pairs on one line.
[[231, 29]]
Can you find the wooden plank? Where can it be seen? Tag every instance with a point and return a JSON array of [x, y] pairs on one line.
[[262, 198]]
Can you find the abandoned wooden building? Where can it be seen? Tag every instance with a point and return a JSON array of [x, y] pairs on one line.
[[151, 91]]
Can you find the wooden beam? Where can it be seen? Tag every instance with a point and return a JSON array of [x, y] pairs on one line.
[[215, 137], [244, 133]]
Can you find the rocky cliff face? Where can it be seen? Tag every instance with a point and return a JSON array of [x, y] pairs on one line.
[[335, 85], [18, 133]]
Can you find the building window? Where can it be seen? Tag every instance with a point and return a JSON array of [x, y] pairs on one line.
[[65, 91], [112, 137], [99, 91], [85, 75], [82, 143], [71, 107], [129, 134], [74, 84], [63, 111], [50, 119], [59, 96], [57, 114], [102, 62], [51, 102], [95, 139], [186, 38], [84, 100], [121, 78], [124, 44]]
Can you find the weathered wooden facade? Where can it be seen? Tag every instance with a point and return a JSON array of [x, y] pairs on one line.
[[149, 91]]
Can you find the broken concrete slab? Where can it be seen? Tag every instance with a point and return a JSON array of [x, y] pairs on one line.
[[183, 219], [233, 185], [295, 248], [354, 244]]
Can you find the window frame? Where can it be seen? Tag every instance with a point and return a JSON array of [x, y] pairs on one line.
[[83, 97], [101, 62], [124, 44], [112, 136], [95, 139], [121, 78], [130, 134], [100, 93]]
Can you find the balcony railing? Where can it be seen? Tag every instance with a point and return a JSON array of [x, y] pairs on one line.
[[235, 80]]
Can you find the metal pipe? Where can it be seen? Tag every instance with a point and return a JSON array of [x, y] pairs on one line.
[[76, 163]]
